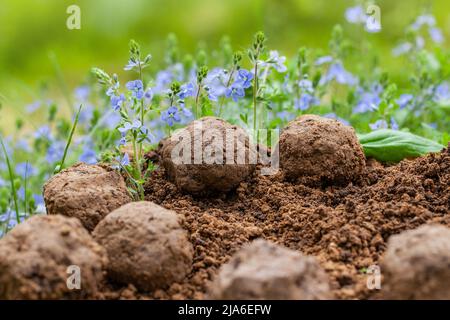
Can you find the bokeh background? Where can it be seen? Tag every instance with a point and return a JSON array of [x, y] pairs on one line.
[[34, 37]]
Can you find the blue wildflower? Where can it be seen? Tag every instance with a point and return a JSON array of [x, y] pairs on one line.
[[43, 132], [322, 60], [355, 14], [136, 87], [369, 100], [442, 94], [148, 96], [423, 20], [379, 124], [25, 169], [337, 72], [334, 116], [82, 93], [117, 101], [244, 78], [33, 106], [186, 90], [306, 85], [402, 48], [305, 102], [136, 124], [88, 156], [276, 61], [235, 91], [55, 151], [404, 100], [436, 35], [123, 160], [171, 115]]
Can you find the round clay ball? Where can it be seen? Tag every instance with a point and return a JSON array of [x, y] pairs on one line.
[[86, 192], [316, 151], [146, 246], [208, 156], [416, 264], [263, 270], [45, 256]]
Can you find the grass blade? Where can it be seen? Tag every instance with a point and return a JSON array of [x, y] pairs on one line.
[[11, 179], [69, 141]]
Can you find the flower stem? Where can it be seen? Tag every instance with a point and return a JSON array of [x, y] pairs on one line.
[[255, 90], [222, 99]]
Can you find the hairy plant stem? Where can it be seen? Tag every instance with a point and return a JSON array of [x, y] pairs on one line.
[[255, 91], [222, 99]]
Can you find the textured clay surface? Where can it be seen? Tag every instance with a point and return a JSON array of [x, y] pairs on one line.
[[345, 227], [146, 246], [417, 264], [36, 254], [316, 151], [263, 270], [220, 146], [86, 192]]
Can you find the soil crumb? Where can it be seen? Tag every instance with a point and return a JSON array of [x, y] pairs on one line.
[[346, 228]]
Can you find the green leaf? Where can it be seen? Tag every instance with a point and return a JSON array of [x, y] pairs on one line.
[[393, 146]]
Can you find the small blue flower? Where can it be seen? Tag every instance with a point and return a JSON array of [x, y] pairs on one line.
[[43, 132], [442, 94], [322, 60], [38, 200], [88, 156], [423, 20], [436, 35], [306, 85], [33, 106], [186, 90], [402, 48], [394, 124], [355, 14], [148, 96], [276, 61], [129, 126], [124, 160], [117, 101], [55, 151], [82, 93], [334, 116], [235, 91], [136, 87], [368, 100], [337, 72], [244, 78], [171, 115], [305, 102], [379, 124], [25, 169], [186, 112], [132, 64], [404, 100]]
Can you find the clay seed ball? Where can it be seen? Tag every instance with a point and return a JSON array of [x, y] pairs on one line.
[[86, 192], [316, 151], [208, 156], [36, 258], [416, 264], [146, 246], [263, 270]]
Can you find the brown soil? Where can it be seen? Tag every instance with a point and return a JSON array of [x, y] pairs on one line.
[[345, 228], [86, 192]]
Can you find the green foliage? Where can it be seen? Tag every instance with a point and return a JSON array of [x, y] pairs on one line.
[[393, 146]]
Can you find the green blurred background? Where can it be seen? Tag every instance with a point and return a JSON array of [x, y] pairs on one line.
[[31, 30]]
